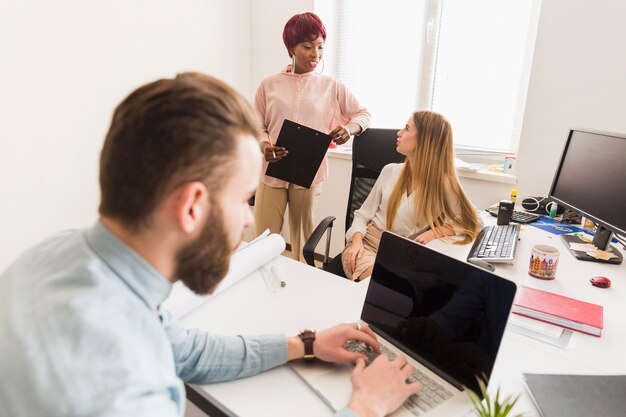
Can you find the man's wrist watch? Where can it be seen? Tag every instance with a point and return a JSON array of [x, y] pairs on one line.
[[308, 337]]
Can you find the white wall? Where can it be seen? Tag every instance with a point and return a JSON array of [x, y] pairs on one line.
[[64, 66], [578, 79], [268, 53]]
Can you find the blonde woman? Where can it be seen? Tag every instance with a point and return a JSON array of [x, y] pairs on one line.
[[420, 199]]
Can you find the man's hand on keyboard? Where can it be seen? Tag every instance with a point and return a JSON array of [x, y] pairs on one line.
[[330, 344], [381, 388]]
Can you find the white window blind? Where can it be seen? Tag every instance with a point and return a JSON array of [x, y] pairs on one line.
[[467, 59], [379, 56]]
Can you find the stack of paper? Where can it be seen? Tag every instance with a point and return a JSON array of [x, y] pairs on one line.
[[539, 330], [592, 251]]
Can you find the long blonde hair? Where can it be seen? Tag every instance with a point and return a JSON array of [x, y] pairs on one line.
[[429, 179]]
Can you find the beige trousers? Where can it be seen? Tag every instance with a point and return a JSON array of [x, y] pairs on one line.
[[371, 241], [269, 213]]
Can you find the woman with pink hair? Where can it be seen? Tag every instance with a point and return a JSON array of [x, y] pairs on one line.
[[303, 95]]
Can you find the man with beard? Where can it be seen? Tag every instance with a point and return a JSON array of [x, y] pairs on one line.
[[81, 331]]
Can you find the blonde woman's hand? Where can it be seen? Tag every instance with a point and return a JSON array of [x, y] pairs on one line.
[[425, 237], [429, 235], [355, 252], [340, 134]]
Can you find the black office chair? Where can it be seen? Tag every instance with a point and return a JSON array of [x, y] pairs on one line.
[[371, 151]]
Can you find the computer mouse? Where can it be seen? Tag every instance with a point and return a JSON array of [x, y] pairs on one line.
[[600, 282]]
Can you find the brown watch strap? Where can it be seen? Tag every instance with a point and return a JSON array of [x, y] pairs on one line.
[[308, 337]]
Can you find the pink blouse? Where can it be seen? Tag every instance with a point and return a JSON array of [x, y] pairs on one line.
[[311, 99]]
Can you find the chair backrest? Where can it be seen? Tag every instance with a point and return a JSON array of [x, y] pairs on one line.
[[371, 151]]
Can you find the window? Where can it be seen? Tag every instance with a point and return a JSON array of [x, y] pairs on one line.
[[380, 61], [469, 60]]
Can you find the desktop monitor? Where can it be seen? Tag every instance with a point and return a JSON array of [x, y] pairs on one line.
[[591, 180]]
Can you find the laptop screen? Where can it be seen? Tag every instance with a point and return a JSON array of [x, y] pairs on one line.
[[445, 313]]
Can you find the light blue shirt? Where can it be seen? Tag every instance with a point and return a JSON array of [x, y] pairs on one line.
[[81, 334]]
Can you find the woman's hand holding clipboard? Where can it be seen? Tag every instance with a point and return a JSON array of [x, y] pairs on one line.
[[274, 153], [306, 147]]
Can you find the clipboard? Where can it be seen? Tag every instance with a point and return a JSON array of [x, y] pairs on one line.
[[307, 148]]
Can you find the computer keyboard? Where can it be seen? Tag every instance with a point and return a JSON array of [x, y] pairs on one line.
[[517, 216], [495, 244], [432, 393]]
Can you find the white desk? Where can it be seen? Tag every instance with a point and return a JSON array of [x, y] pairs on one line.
[[311, 298], [314, 298], [586, 354]]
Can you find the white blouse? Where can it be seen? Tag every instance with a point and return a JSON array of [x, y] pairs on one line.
[[375, 207]]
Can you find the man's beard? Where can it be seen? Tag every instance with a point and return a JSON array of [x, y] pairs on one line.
[[203, 263]]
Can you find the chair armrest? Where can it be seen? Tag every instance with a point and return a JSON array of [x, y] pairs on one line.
[[308, 250]]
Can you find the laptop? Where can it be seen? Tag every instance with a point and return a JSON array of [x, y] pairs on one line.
[[445, 316]]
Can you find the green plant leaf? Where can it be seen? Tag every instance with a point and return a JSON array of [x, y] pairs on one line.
[[476, 402], [496, 403], [488, 406]]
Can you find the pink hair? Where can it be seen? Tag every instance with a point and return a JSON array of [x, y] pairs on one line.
[[303, 27]]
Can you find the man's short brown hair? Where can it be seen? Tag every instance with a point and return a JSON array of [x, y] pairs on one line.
[[168, 133]]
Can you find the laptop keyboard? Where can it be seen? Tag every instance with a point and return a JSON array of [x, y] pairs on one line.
[[431, 395], [496, 243]]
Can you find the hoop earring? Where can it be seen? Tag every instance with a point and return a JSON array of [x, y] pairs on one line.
[[322, 61], [293, 64]]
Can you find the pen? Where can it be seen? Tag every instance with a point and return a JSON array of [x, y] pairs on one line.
[[269, 139], [274, 270]]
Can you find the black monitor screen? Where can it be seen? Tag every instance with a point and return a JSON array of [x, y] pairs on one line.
[[448, 315], [591, 178]]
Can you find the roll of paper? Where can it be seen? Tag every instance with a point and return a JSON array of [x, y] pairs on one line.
[[245, 260]]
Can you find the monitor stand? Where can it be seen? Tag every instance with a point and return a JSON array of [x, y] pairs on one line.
[[584, 257]]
